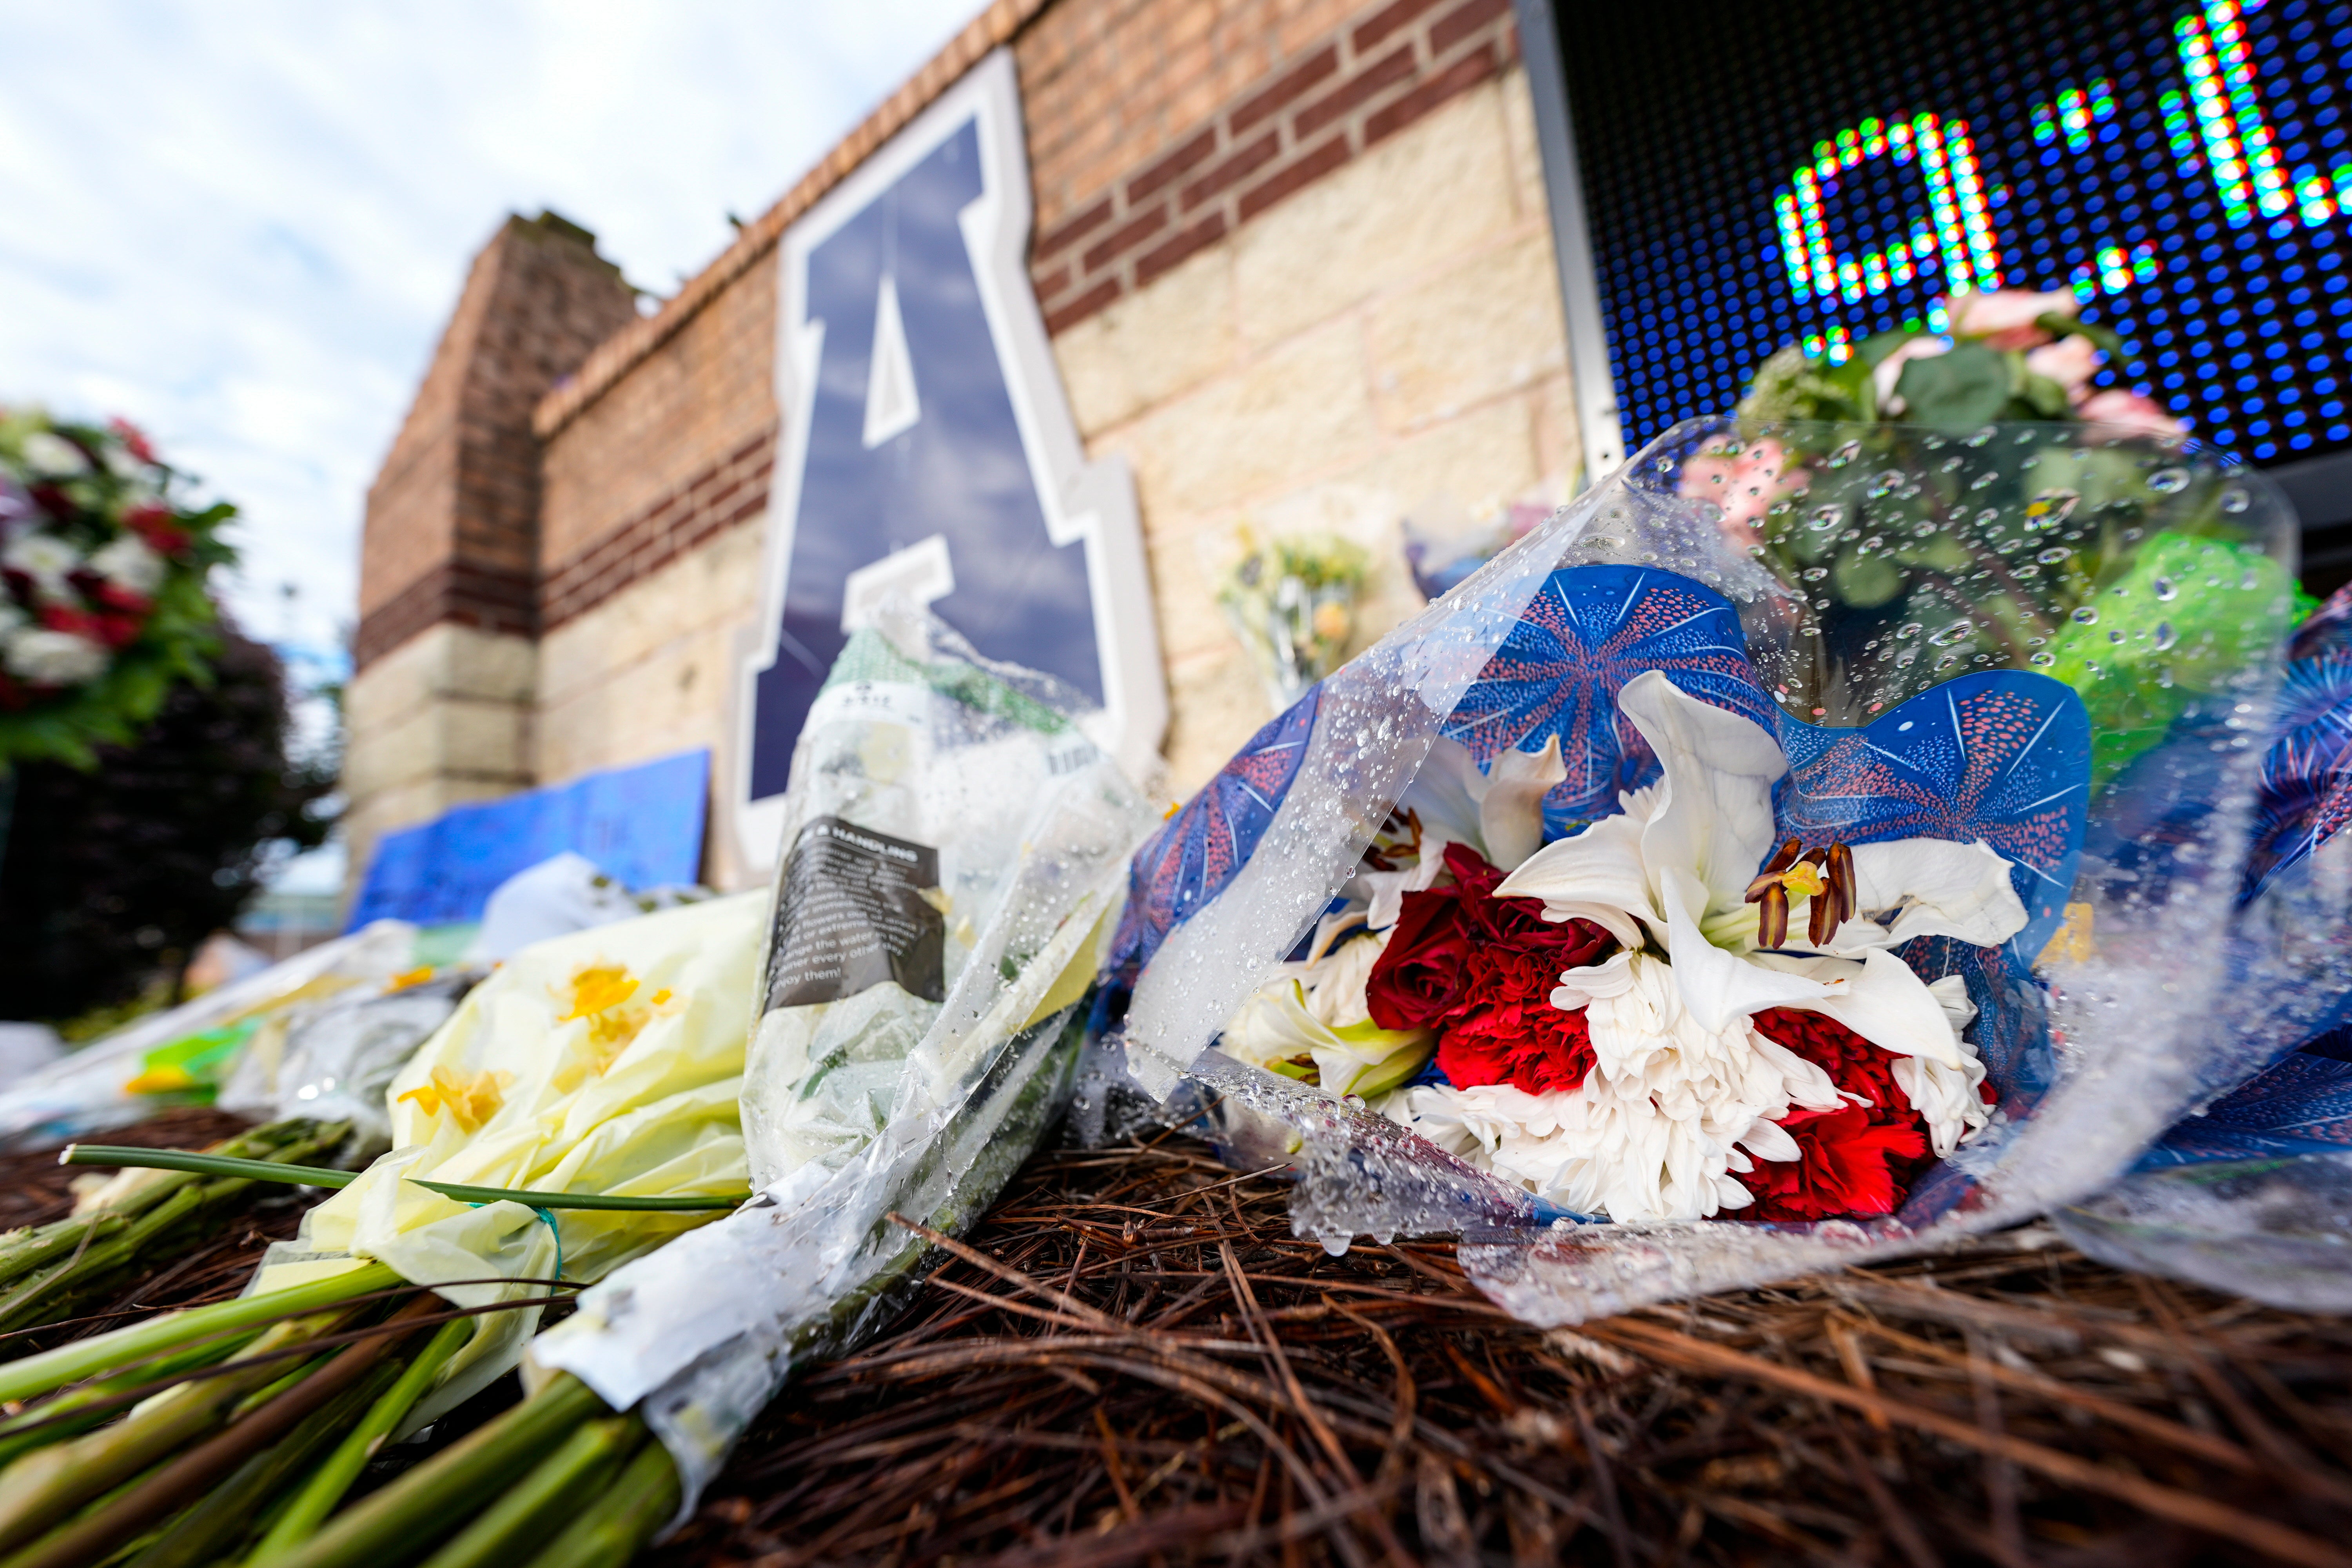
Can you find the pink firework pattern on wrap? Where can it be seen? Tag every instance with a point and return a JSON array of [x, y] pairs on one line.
[[1587, 632], [2001, 756], [1196, 852]]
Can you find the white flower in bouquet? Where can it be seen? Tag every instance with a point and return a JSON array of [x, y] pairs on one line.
[[51, 456], [130, 565], [1310, 1021], [1499, 814], [48, 561], [1685, 1092], [43, 657]]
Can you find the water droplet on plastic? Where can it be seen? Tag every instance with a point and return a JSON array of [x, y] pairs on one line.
[[2235, 499], [1958, 631], [1824, 518], [2165, 636], [2052, 556], [2169, 481], [1981, 437], [2116, 636], [1845, 454], [2086, 617], [1605, 541], [2044, 659], [2166, 591], [2051, 508], [1908, 629]]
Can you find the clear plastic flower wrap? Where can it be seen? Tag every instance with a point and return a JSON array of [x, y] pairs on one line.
[[2252, 1192], [955, 850], [1848, 824]]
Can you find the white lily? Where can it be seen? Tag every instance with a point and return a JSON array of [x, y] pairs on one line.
[[1498, 813], [1673, 873], [1312, 1017]]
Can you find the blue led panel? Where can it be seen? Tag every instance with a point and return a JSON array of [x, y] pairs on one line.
[[1769, 172]]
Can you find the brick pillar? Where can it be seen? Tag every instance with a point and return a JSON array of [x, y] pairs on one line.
[[445, 661]]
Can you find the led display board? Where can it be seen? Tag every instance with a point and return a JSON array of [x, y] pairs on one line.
[[1773, 172]]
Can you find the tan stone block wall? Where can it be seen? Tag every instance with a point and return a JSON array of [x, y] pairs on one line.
[[651, 671], [1390, 333], [443, 719]]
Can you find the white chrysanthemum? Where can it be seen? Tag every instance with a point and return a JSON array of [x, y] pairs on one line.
[[128, 564], [1673, 1110], [48, 560], [53, 457], [45, 658]]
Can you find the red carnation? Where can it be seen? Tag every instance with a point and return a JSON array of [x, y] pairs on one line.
[[1480, 970], [1858, 1159], [1846, 1166], [153, 522], [133, 439]]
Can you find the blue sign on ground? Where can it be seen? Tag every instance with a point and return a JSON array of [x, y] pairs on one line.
[[930, 452], [641, 825]]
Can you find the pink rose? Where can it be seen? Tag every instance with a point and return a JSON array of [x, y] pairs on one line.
[[2004, 319], [2070, 361], [1744, 485], [2129, 411]]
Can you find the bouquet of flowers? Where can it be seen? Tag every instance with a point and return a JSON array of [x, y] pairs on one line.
[[579, 1109], [102, 598], [1718, 854], [1291, 600]]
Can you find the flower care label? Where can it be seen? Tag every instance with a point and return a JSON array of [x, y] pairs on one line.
[[853, 913]]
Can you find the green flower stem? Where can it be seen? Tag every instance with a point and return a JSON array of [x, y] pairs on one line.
[[25, 1250], [415, 1513], [46, 1420], [310, 1506], [104, 1354], [549, 1498], [318, 1176], [45, 1487], [185, 1478], [623, 1519], [215, 1525]]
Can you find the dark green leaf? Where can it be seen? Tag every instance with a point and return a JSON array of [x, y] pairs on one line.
[[1955, 391]]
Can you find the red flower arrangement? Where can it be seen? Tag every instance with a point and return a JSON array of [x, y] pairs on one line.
[[1479, 971]]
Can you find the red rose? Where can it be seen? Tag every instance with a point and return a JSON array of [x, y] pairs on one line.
[[1858, 1159], [1417, 978], [1480, 970], [64, 618]]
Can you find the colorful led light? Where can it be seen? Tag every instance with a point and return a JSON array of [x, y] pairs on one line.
[[2187, 176]]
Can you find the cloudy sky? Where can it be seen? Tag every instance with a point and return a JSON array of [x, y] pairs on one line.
[[242, 222]]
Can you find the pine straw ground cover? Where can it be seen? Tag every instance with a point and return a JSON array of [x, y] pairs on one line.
[[1132, 1361]]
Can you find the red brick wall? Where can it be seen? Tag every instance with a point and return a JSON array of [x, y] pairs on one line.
[[1157, 127], [452, 526]]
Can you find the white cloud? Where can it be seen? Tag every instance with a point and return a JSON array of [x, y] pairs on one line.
[[243, 224]]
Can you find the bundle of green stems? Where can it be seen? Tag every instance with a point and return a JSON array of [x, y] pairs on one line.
[[52, 1272], [231, 1433]]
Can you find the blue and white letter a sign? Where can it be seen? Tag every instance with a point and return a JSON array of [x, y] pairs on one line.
[[930, 451]]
